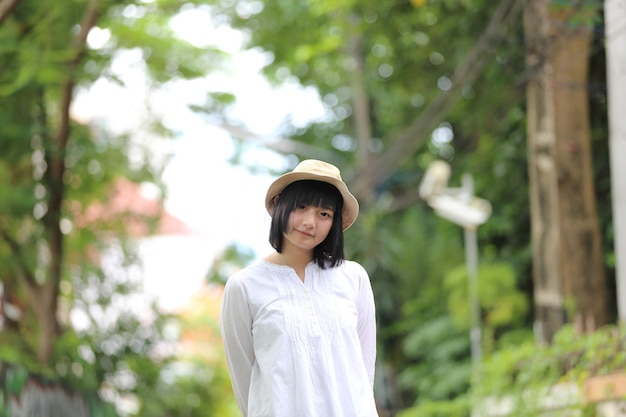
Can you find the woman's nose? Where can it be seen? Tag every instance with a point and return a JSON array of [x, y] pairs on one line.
[[308, 217]]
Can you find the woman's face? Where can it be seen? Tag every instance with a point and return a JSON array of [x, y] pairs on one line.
[[308, 226]]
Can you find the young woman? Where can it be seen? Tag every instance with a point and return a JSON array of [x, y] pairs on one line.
[[299, 326]]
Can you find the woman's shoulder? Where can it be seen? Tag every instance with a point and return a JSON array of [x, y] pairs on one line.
[[353, 268], [248, 272]]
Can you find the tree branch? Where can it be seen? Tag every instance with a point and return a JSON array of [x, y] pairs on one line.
[[282, 145], [6, 7], [414, 137], [56, 157], [19, 259], [360, 99], [46, 305], [80, 41]]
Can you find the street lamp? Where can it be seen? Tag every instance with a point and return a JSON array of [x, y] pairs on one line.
[[460, 206]]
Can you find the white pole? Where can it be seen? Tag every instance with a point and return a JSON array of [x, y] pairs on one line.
[[615, 29], [471, 258]]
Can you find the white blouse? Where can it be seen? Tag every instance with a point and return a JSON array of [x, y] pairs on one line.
[[301, 349]]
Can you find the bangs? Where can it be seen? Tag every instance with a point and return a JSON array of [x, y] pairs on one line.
[[312, 193]]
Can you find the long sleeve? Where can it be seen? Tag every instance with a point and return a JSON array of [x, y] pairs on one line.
[[366, 326], [236, 329]]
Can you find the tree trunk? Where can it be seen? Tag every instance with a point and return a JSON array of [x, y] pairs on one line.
[[582, 264], [567, 255], [543, 175]]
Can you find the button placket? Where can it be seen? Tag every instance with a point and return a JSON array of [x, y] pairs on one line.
[[310, 309]]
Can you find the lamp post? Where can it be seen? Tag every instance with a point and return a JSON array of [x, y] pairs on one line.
[[460, 206]]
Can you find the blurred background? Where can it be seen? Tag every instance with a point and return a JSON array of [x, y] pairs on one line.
[[484, 141]]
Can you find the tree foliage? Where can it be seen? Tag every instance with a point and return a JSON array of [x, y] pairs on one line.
[[72, 306], [388, 75], [524, 379], [404, 83]]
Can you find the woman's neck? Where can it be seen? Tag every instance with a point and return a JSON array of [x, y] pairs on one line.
[[297, 260]]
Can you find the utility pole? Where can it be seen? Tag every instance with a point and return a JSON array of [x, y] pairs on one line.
[[615, 29]]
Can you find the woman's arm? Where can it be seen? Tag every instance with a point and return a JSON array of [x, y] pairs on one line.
[[236, 329], [366, 326]]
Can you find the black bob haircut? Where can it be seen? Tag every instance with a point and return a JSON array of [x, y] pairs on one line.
[[329, 253]]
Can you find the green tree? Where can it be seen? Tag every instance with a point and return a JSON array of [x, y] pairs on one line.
[[389, 74], [405, 83], [54, 171]]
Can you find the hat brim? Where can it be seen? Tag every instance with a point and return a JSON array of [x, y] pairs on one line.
[[350, 203]]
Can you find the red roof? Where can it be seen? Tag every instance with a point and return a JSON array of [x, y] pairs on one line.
[[126, 198]]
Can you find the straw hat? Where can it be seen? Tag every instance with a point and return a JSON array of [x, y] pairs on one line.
[[312, 169]]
